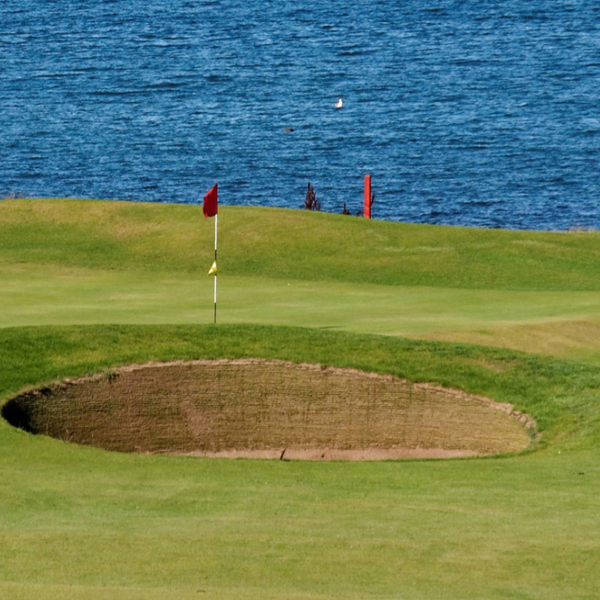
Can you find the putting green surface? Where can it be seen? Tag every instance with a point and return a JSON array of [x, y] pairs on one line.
[[561, 323], [89, 286]]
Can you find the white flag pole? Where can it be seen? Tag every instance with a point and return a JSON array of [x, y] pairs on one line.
[[216, 217]]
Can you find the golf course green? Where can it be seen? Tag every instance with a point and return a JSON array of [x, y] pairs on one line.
[[87, 287]]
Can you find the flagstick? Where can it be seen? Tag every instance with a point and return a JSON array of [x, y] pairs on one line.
[[216, 217]]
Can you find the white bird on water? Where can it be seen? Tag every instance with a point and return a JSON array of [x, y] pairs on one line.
[[339, 103]]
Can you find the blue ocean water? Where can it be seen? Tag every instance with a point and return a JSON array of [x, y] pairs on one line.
[[471, 112]]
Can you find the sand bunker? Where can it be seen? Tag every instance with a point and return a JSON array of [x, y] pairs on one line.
[[269, 409]]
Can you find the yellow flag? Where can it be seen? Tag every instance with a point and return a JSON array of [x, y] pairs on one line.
[[213, 269]]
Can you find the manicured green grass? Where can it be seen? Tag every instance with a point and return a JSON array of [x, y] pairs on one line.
[[42, 295], [83, 524], [80, 523]]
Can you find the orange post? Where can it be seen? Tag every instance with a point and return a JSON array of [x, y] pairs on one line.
[[367, 196]]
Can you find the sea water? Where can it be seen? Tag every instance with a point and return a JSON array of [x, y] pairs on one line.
[[473, 112]]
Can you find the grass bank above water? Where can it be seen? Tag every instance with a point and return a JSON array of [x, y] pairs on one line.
[[280, 243]]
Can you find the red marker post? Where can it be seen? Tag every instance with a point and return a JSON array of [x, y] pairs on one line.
[[367, 197]]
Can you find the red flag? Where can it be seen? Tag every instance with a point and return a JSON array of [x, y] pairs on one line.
[[210, 202]]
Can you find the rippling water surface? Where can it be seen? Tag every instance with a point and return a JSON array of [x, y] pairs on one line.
[[475, 112]]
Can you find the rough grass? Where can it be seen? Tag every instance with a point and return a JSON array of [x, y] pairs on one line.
[[300, 245], [577, 339]]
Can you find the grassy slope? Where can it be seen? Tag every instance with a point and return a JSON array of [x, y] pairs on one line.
[[86, 262], [282, 243], [80, 523]]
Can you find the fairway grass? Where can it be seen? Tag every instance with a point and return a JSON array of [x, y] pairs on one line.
[[87, 286], [90, 525]]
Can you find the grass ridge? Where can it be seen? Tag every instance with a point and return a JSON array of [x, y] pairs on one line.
[[284, 243]]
